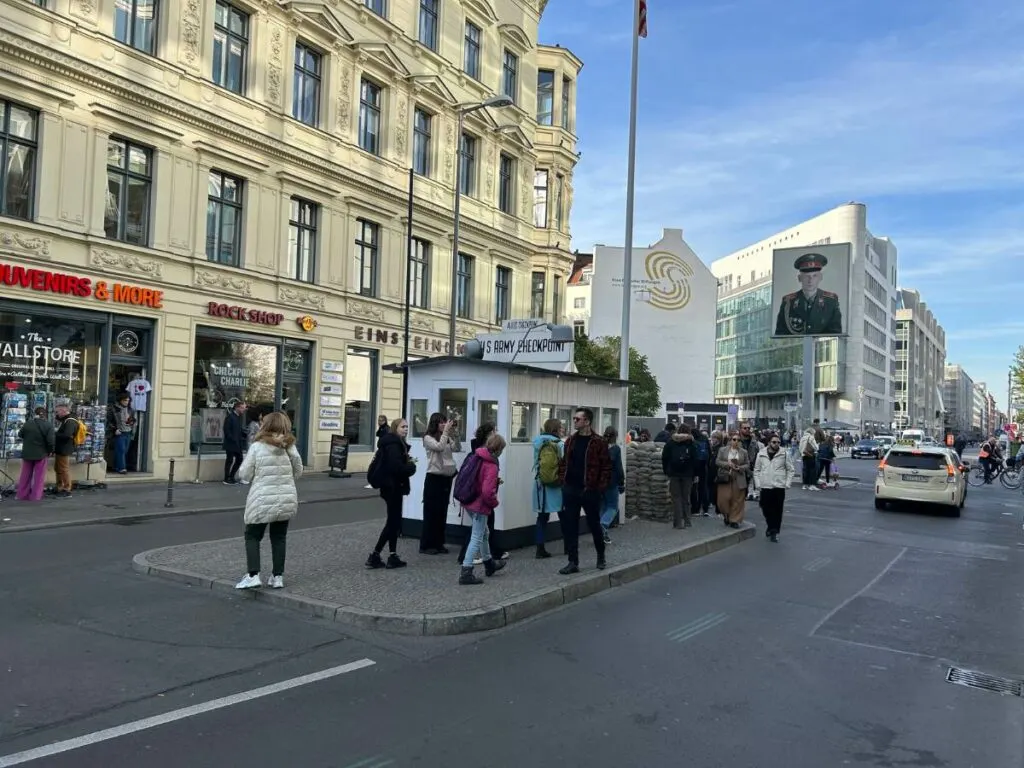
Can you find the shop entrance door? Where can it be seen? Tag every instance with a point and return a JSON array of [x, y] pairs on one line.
[[121, 375], [295, 394]]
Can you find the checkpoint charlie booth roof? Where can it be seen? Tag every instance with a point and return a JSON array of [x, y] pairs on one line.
[[518, 399]]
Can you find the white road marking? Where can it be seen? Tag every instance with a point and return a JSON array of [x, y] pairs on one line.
[[694, 628], [371, 762], [859, 592], [178, 714], [817, 565]]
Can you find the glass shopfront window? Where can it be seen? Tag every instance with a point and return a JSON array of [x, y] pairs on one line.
[[361, 373], [266, 373]]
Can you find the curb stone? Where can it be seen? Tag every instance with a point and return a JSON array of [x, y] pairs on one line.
[[145, 516], [517, 609]]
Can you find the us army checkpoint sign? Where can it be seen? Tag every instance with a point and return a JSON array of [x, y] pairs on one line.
[[811, 290]]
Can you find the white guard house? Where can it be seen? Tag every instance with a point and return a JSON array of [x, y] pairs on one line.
[[518, 398]]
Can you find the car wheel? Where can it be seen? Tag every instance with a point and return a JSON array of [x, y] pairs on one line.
[[880, 504], [963, 499], [954, 511]]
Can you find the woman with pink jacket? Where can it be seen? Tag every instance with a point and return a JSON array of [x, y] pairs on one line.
[[482, 507]]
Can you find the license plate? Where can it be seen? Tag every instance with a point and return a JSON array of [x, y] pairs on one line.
[[914, 479]]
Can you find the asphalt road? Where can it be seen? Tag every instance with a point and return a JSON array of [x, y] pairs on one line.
[[830, 648]]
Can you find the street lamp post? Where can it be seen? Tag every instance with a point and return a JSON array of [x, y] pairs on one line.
[[860, 398], [497, 102]]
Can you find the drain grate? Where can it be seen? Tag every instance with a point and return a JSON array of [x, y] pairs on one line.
[[971, 679]]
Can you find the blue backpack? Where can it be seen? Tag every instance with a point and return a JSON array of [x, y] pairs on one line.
[[702, 450], [467, 486]]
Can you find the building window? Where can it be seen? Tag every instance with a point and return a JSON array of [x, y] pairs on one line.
[[464, 286], [129, 182], [428, 23], [302, 224], [556, 299], [537, 286], [230, 46], [579, 303], [540, 198], [18, 145], [421, 125], [224, 219], [559, 197], [566, 95], [419, 274], [510, 76], [380, 7], [471, 59], [507, 184], [135, 24], [579, 328], [364, 263], [502, 294], [361, 397], [369, 116], [306, 88], [545, 96], [467, 165]]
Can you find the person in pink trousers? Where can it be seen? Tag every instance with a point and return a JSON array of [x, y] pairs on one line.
[[38, 442]]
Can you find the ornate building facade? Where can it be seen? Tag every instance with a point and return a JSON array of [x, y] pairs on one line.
[[211, 197]]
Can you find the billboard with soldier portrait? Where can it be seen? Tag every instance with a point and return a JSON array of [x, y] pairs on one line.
[[811, 290]]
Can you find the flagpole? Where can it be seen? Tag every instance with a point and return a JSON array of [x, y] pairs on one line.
[[627, 267]]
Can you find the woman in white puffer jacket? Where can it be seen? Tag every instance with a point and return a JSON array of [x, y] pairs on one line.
[[272, 466]]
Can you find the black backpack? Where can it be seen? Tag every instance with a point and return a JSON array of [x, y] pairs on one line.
[[374, 475]]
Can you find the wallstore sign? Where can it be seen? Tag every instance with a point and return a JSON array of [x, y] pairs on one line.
[[244, 314], [45, 281], [416, 343]]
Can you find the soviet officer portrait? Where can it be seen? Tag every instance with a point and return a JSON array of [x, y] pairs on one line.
[[809, 311]]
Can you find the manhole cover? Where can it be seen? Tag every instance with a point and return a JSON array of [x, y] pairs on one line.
[[1003, 685]]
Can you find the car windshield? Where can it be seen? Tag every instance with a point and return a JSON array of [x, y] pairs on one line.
[[902, 460], [868, 444]]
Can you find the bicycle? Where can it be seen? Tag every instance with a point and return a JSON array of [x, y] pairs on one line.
[[1010, 478]]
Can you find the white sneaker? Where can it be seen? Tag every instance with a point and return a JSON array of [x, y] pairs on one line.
[[478, 561], [806, 487], [276, 582], [813, 488], [249, 582], [506, 556]]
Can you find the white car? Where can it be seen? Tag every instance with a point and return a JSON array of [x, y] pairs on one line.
[[927, 475]]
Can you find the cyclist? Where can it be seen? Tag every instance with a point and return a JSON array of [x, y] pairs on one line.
[[991, 457]]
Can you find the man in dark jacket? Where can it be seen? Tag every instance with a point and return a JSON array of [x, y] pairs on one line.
[[666, 434], [959, 444], [678, 462], [234, 442], [64, 447], [700, 499], [584, 472]]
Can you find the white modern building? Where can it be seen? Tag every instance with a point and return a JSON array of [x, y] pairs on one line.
[[920, 365], [979, 413], [958, 397], [672, 318], [853, 375]]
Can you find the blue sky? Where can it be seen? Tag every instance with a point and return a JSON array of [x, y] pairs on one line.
[[757, 114]]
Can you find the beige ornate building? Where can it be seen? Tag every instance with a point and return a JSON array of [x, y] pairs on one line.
[[208, 198]]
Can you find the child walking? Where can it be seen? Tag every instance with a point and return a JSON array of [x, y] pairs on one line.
[[271, 466]]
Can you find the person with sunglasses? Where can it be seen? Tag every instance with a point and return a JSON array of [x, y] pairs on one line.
[[773, 474], [585, 473], [733, 477]]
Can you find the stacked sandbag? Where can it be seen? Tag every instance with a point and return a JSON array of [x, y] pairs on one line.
[[646, 485]]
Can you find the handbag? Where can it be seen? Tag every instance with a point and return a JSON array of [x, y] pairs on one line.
[[723, 476]]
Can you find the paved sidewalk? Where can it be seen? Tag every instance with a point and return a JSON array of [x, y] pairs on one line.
[[127, 502], [325, 575]]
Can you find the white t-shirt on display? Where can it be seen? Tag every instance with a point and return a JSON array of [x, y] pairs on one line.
[[137, 390]]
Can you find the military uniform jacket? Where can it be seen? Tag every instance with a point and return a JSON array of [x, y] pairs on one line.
[[799, 316]]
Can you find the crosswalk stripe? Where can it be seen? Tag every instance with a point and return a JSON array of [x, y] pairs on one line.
[[696, 626]]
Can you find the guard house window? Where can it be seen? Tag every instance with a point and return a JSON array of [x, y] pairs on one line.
[[306, 90], [545, 96], [421, 124], [537, 286], [369, 116], [502, 294], [428, 23], [18, 146], [135, 24], [129, 183], [467, 165], [471, 59], [380, 7], [566, 96], [419, 274], [510, 76], [302, 225], [230, 46], [364, 263], [556, 298], [224, 219], [540, 198], [506, 183], [361, 397], [464, 286]]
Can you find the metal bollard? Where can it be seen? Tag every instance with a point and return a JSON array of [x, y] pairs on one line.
[[199, 459], [170, 486]]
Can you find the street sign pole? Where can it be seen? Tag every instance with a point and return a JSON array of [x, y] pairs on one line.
[[808, 383]]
